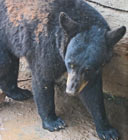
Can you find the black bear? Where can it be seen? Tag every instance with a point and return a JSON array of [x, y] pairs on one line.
[[56, 36]]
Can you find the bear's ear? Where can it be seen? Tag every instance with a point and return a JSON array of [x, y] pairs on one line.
[[70, 26], [114, 36]]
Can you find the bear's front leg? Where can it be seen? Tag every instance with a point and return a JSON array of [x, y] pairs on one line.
[[44, 98], [92, 97]]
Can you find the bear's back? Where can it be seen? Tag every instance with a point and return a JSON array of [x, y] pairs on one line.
[[48, 10], [24, 20]]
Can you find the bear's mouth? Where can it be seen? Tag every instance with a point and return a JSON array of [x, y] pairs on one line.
[[74, 86], [83, 85]]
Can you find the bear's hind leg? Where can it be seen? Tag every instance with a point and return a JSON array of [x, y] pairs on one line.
[[9, 66]]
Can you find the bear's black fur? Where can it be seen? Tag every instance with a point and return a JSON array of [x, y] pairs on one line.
[[56, 36]]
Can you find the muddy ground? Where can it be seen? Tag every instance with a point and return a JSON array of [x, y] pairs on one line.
[[20, 121]]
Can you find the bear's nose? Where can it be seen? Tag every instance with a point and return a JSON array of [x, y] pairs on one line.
[[70, 92], [72, 82], [71, 88]]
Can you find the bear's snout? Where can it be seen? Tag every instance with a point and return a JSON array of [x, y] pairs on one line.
[[74, 84]]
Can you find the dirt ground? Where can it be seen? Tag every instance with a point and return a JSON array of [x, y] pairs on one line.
[[20, 121]]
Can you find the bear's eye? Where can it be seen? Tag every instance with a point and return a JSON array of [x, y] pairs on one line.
[[71, 65], [87, 70]]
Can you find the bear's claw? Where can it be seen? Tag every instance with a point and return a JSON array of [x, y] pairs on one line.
[[19, 94], [110, 134], [54, 125]]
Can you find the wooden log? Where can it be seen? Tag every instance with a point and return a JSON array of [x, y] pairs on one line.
[[115, 74]]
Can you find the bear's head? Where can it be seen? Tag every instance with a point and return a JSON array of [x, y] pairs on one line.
[[87, 52]]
